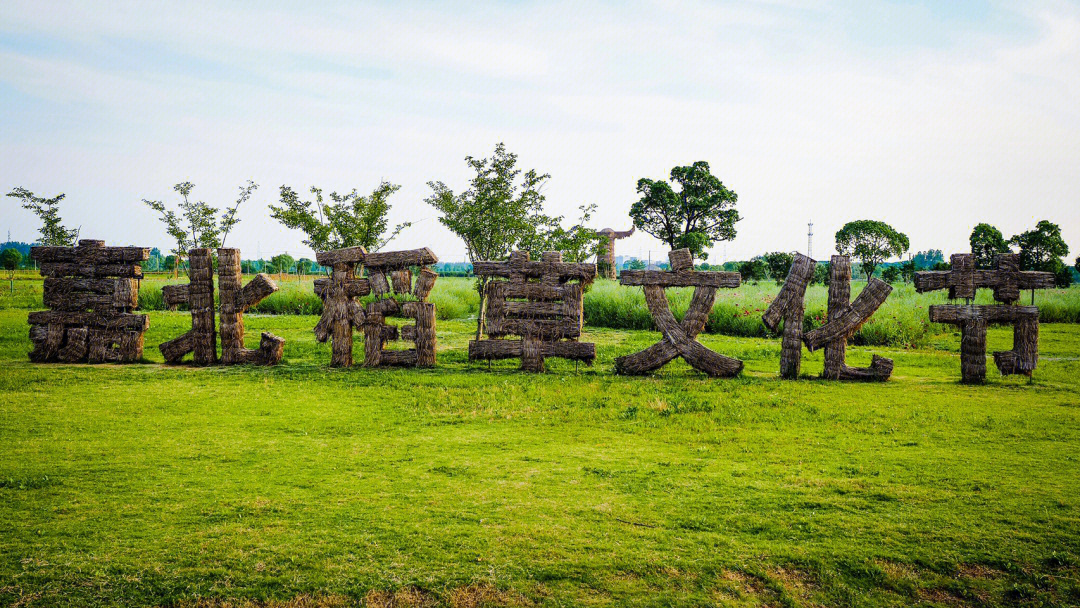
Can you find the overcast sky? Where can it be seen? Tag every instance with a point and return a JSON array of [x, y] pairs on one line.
[[931, 116]]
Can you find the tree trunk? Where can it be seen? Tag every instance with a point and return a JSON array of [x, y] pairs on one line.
[[480, 314]]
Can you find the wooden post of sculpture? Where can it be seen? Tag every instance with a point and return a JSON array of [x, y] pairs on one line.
[[605, 258], [845, 318], [389, 274], [1007, 280], [537, 302], [789, 308], [679, 338], [201, 341], [90, 291], [235, 300]]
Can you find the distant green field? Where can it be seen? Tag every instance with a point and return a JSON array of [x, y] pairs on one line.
[[301, 485], [901, 321]]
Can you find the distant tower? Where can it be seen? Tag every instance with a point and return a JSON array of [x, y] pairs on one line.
[[810, 240]]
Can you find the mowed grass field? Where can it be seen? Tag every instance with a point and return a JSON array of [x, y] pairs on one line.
[[301, 485]]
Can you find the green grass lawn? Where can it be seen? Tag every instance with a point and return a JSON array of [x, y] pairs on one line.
[[148, 484]]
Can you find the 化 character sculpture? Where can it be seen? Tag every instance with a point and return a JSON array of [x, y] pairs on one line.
[[1006, 279], [91, 290], [845, 318], [389, 274], [198, 294], [680, 339], [538, 302]]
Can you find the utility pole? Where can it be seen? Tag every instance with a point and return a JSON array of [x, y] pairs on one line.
[[810, 239]]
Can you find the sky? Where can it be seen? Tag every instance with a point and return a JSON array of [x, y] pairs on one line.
[[931, 116]]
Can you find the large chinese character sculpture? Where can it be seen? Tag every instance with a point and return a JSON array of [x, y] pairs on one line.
[[198, 294], [680, 339], [1007, 280], [541, 302], [389, 275], [788, 307], [605, 258], [91, 290], [845, 318]]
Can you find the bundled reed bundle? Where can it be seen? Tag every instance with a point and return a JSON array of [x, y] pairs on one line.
[[789, 308], [91, 290]]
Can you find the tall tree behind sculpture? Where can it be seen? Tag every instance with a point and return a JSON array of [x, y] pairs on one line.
[[198, 294], [701, 212], [91, 290], [502, 210], [539, 301], [198, 226], [53, 233], [348, 220], [845, 318], [680, 339], [872, 242], [1007, 280]]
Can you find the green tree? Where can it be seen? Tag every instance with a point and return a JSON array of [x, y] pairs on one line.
[[304, 266], [821, 274], [53, 233], [753, 270], [891, 274], [1041, 248], [503, 210], [1076, 264], [577, 243], [986, 243], [9, 259], [635, 264], [907, 271], [702, 212], [197, 224], [347, 220], [283, 262], [872, 242], [779, 264], [927, 259]]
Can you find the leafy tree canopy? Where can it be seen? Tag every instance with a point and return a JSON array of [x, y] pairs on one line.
[[1041, 248], [779, 264], [871, 241], [52, 229], [891, 274], [927, 259], [503, 210], [986, 243], [197, 224], [753, 270], [347, 220], [283, 262], [9, 260], [700, 213]]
